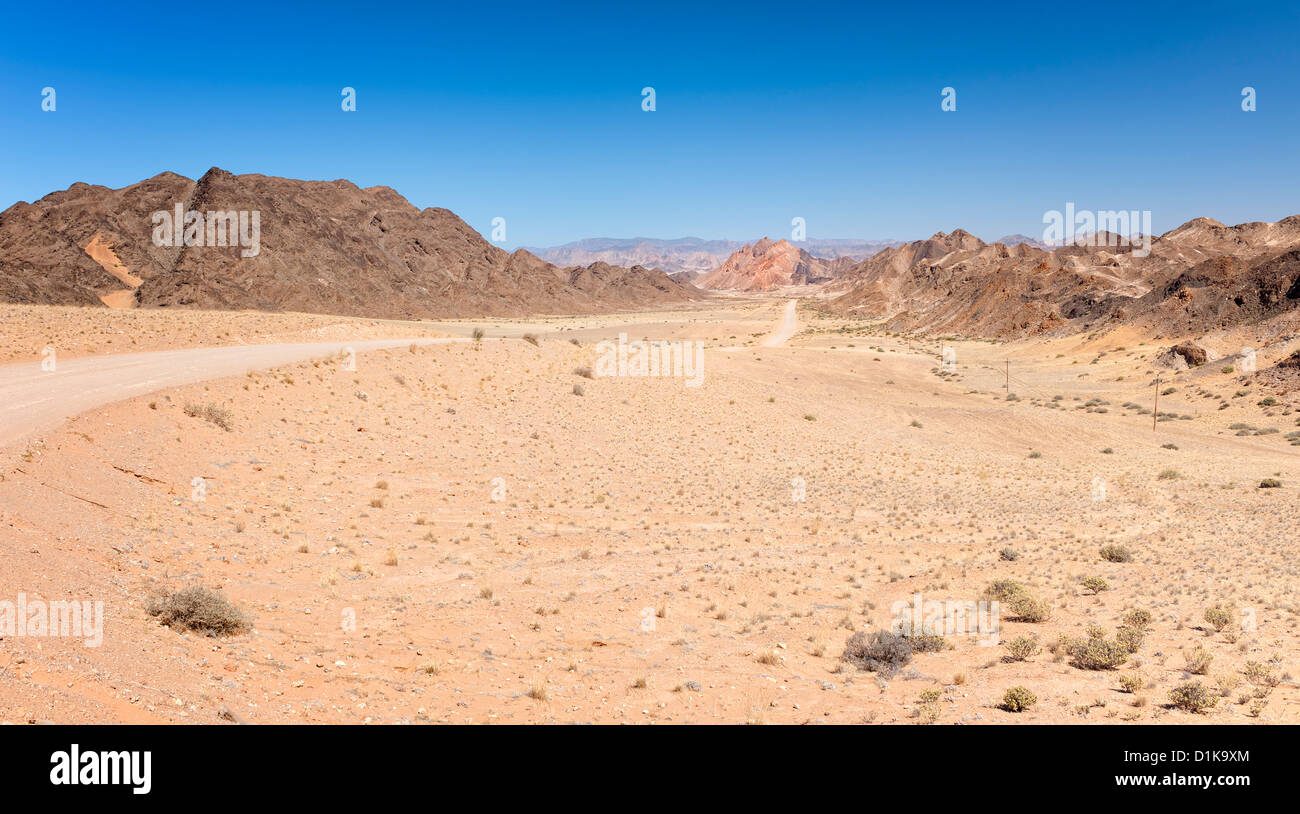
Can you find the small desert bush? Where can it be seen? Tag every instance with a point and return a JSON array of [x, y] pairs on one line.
[[924, 641], [1004, 590], [1009, 554], [880, 652], [584, 372], [1131, 682], [1116, 553], [1218, 617], [1096, 584], [927, 707], [212, 413], [1028, 609], [530, 339], [1018, 699], [1260, 674], [1270, 483], [478, 334], [201, 610], [1198, 661], [1021, 648], [1096, 653], [1192, 697], [1139, 618], [1130, 638]]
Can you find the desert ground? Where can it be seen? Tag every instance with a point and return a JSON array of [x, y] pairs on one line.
[[485, 532]]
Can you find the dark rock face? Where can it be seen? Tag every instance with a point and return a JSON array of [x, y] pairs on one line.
[[321, 246], [1194, 355]]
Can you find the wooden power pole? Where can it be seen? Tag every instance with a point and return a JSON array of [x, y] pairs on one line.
[[1008, 382], [1155, 411]]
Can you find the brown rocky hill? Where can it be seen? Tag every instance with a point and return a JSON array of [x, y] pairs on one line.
[[768, 264], [324, 247], [1198, 277]]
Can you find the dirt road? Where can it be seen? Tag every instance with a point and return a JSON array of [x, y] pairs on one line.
[[33, 398], [789, 327]]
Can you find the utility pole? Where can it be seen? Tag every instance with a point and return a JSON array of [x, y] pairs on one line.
[[1155, 411], [1008, 382]]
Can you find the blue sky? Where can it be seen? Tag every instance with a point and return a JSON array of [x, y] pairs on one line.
[[764, 112]]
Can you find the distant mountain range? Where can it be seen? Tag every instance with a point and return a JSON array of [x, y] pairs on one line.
[[692, 256]]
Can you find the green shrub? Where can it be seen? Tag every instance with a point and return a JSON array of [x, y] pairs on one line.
[[1021, 648], [1130, 638], [927, 708], [1198, 661], [1096, 584], [1095, 653], [1131, 682], [1192, 697], [1218, 617], [1018, 699], [1139, 618], [1004, 590], [925, 641], [1028, 609], [1260, 674]]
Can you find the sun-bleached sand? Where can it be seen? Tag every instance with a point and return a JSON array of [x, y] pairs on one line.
[[476, 532]]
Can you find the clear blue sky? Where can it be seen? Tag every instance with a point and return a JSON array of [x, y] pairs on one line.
[[765, 111]]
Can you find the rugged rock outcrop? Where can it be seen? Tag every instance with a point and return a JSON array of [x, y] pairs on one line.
[[320, 246], [767, 264]]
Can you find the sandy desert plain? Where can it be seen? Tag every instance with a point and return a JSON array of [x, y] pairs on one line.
[[473, 532]]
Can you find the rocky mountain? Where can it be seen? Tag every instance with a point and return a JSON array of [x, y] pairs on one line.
[[1198, 277], [768, 264], [265, 243]]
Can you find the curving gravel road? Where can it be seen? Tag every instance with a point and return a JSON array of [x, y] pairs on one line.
[[34, 399]]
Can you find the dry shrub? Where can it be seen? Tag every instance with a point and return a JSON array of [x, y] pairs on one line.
[[212, 413], [880, 652], [201, 610]]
